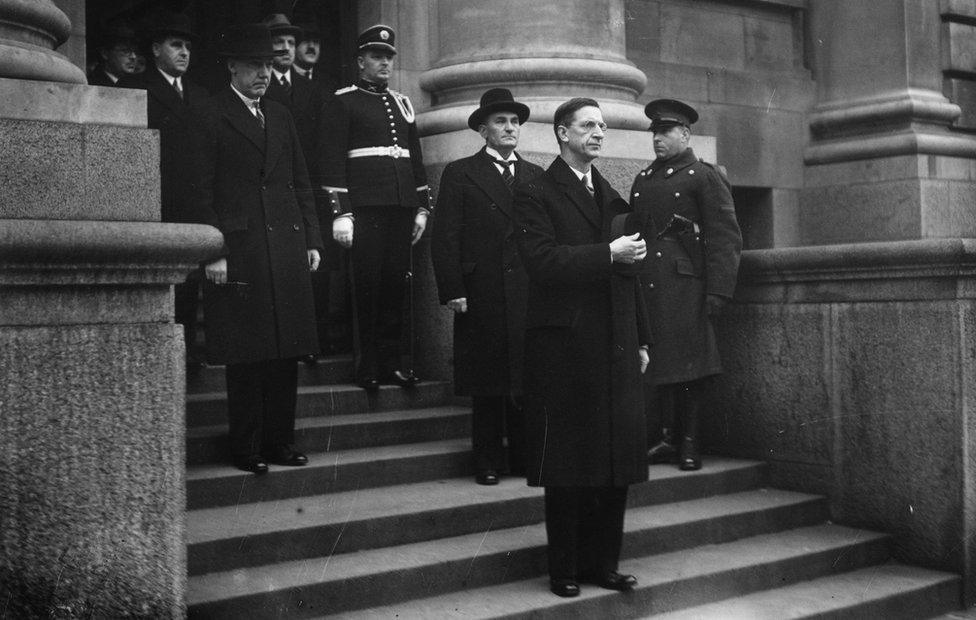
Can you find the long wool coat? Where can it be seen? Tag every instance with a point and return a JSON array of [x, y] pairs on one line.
[[252, 184], [475, 256], [582, 384], [677, 276]]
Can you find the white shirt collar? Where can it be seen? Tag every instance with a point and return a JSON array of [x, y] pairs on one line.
[[170, 79], [278, 75], [250, 103], [580, 175], [498, 156]]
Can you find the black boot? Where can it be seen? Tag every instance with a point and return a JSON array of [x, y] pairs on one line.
[[690, 458], [665, 450]]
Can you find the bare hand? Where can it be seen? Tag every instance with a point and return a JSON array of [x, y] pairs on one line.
[[645, 359], [419, 224], [459, 305], [342, 228], [313, 259], [216, 271], [628, 249]]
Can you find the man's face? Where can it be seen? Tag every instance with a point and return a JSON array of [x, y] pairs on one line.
[[121, 59], [250, 75], [501, 131], [307, 53], [584, 134], [172, 55], [376, 66], [285, 42], [670, 140]]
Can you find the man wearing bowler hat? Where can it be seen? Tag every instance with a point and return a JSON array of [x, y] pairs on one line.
[[480, 277], [371, 172], [251, 182], [684, 209], [172, 101]]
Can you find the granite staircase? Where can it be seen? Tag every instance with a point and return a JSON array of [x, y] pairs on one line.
[[386, 522]]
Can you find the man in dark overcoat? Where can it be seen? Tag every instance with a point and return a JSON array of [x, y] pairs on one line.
[[685, 211], [251, 182], [481, 278], [118, 50], [585, 350], [172, 101], [372, 171]]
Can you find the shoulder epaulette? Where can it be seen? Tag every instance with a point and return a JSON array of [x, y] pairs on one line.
[[719, 169], [347, 89]]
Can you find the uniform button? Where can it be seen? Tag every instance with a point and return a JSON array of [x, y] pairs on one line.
[[264, 187], [670, 170], [691, 172], [657, 254], [677, 194], [270, 227], [394, 139], [636, 194], [650, 285], [294, 226], [643, 173]]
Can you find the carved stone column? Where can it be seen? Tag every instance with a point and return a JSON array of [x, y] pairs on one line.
[[92, 428]]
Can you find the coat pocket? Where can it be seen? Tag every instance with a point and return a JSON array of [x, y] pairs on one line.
[[685, 267]]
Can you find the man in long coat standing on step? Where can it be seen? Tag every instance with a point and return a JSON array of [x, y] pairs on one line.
[[586, 345], [251, 182]]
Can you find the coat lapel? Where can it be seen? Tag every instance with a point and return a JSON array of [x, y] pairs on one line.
[[575, 191], [163, 92], [484, 174], [237, 114]]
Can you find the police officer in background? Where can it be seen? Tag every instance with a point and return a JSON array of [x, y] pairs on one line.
[[685, 211], [372, 171]]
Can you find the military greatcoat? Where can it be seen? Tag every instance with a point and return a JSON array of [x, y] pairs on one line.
[[582, 388], [252, 184], [682, 267], [475, 256]]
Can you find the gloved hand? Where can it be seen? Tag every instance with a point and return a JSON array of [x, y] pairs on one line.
[[342, 228]]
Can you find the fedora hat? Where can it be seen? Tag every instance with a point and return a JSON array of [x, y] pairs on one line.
[[167, 23], [278, 24], [247, 41], [497, 100]]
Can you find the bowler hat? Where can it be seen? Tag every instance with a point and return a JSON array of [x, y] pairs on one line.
[[497, 100], [248, 41], [166, 23], [378, 37], [278, 24], [664, 112]]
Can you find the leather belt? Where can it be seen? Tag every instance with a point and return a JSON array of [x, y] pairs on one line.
[[379, 151]]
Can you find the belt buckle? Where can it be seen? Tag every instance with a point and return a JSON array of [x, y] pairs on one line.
[[395, 151]]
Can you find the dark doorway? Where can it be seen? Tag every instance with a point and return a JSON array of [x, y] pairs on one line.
[[336, 20]]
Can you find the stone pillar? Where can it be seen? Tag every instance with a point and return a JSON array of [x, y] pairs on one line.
[[884, 162], [91, 365]]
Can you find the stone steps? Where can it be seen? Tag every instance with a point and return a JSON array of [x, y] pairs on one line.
[[327, 370]]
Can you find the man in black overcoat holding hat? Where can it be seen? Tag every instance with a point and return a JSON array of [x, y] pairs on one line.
[[685, 211], [372, 172], [481, 278], [585, 350], [251, 182]]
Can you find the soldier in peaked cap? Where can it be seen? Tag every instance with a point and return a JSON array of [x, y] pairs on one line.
[[371, 172], [480, 277], [250, 181], [684, 209]]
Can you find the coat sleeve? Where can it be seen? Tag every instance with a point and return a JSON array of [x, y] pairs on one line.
[[303, 190], [548, 261], [329, 171], [722, 235], [445, 247], [424, 199], [203, 153]]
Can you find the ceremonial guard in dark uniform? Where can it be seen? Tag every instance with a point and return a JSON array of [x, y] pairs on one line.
[[250, 181], [481, 278], [684, 208], [372, 170]]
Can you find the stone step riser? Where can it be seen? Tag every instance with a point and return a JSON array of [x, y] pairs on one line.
[[212, 411], [492, 569], [213, 448], [911, 605], [285, 483], [326, 372]]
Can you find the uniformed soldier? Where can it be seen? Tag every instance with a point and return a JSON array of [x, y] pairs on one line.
[[685, 211], [371, 169]]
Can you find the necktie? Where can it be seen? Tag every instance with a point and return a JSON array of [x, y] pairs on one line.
[[588, 182], [258, 114], [285, 84], [507, 175], [179, 91]]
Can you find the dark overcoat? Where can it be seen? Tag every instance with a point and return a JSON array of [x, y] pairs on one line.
[[475, 256], [582, 387], [172, 116], [679, 270], [304, 101], [252, 184]]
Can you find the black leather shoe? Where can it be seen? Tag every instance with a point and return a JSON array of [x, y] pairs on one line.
[[613, 581], [310, 360], [253, 463], [488, 478], [690, 458], [370, 384], [404, 378], [284, 455], [566, 588]]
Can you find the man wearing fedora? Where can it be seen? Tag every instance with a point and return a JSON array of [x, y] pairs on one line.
[[118, 50], [371, 172], [288, 87], [251, 182], [308, 50], [172, 101], [685, 211], [480, 277]]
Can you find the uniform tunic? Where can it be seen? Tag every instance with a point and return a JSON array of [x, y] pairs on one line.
[[679, 272]]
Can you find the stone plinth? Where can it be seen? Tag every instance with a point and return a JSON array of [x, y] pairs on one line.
[[851, 369]]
